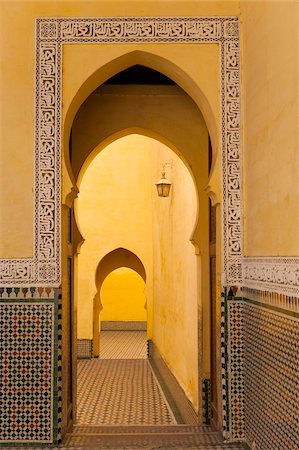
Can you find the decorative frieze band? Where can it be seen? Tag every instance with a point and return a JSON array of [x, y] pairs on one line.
[[27, 293], [17, 271], [133, 29], [280, 275], [283, 302]]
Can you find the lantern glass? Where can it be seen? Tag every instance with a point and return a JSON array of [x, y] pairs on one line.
[[163, 187]]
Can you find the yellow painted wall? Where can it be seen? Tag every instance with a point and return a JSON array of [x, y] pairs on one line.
[[122, 296], [269, 98], [176, 292], [113, 210], [195, 67], [270, 36]]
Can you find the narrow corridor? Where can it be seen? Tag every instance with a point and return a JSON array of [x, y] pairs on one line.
[[121, 405], [120, 388], [118, 391], [123, 345]]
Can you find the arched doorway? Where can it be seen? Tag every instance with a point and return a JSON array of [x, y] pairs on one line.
[[127, 202], [200, 172], [114, 260], [123, 316], [46, 264]]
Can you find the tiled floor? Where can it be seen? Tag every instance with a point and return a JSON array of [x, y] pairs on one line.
[[124, 392], [120, 387], [117, 391], [123, 345], [162, 438]]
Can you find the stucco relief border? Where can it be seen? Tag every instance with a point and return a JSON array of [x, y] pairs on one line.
[[45, 268], [277, 274]]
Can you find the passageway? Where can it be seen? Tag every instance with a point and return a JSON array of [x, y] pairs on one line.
[[122, 226], [123, 345], [120, 392], [120, 387], [121, 405]]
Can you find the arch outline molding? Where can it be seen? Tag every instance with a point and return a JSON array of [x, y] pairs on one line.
[[44, 269]]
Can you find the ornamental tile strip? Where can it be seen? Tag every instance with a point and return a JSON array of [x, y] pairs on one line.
[[232, 349], [236, 369], [271, 368], [27, 335], [224, 368], [206, 401], [45, 268]]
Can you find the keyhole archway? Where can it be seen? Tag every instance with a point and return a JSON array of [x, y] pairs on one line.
[[53, 34], [155, 227], [114, 260], [194, 123]]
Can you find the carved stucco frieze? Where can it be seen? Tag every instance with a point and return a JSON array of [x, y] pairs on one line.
[[51, 34], [275, 274]]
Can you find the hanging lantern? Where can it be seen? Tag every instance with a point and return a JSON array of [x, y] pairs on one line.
[[163, 186]]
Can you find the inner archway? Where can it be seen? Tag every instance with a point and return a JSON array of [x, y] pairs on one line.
[[114, 260], [118, 204], [180, 124], [123, 318]]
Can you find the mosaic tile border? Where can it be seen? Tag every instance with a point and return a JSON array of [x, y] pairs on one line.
[[58, 437], [206, 401], [29, 373], [235, 367], [271, 371], [224, 368], [279, 302], [232, 349], [51, 34]]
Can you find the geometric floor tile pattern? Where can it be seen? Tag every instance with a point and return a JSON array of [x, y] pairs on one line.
[[172, 446], [107, 381], [119, 392], [116, 389], [123, 345], [157, 438]]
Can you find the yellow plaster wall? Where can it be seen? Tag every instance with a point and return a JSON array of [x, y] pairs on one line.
[[270, 125], [113, 211], [176, 293], [122, 296]]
